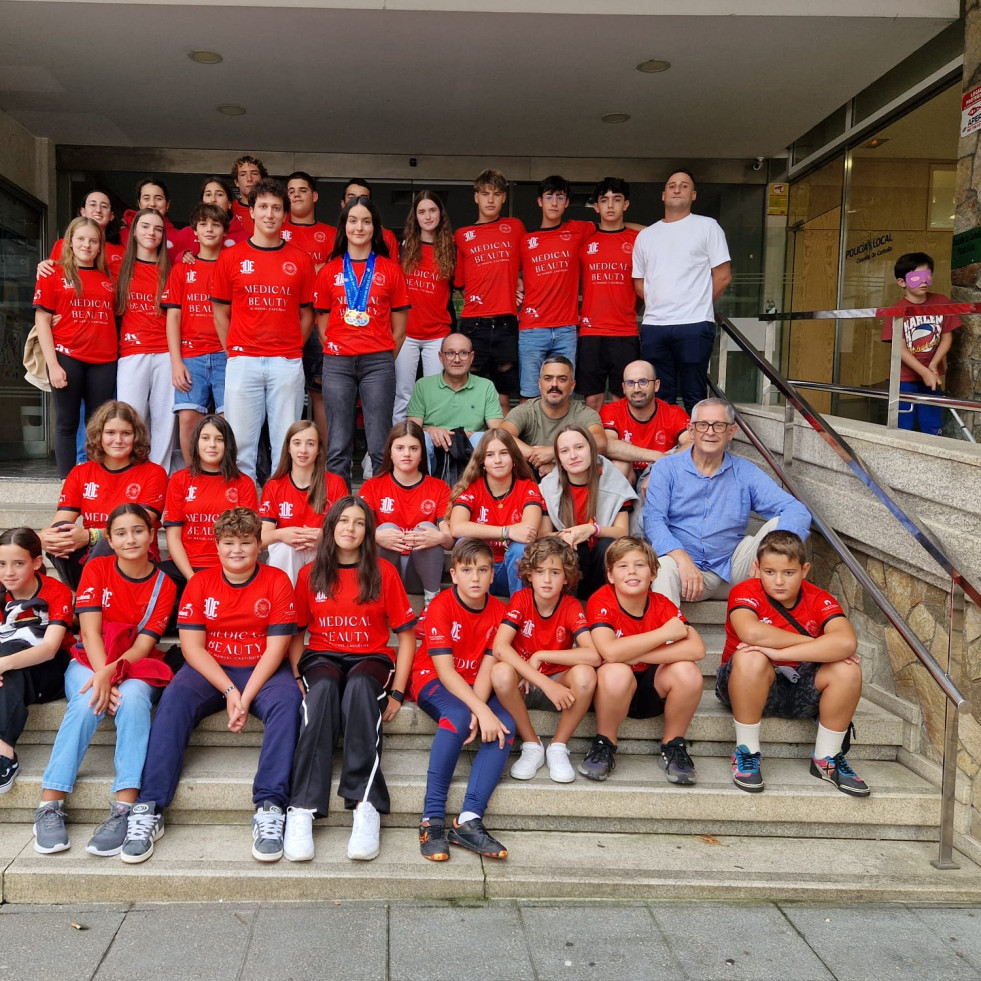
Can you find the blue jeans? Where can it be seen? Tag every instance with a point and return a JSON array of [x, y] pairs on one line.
[[207, 373], [506, 579], [79, 725], [927, 418], [534, 348], [257, 389], [431, 450], [680, 354], [346, 378]]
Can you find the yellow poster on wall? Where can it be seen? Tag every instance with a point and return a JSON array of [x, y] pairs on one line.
[[777, 199]]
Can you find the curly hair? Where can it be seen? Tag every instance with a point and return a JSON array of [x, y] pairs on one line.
[[115, 409], [543, 549]]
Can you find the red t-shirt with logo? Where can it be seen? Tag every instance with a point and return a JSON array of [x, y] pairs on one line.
[[921, 332], [488, 261], [388, 292], [288, 506], [194, 504], [186, 240], [114, 255], [580, 499], [189, 290], [238, 617], [83, 327], [486, 509], [243, 216], [660, 432], [429, 294], [604, 610], [266, 289], [813, 610], [454, 628], [50, 605], [143, 330], [535, 632], [406, 506], [340, 623], [104, 589], [609, 301], [316, 239], [550, 269]]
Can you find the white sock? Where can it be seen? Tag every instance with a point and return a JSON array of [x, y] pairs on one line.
[[466, 816], [748, 735], [428, 596], [828, 742]]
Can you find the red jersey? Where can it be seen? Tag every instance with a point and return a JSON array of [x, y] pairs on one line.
[[429, 317], [266, 289], [580, 513], [604, 610], [114, 255], [454, 628], [83, 326], [535, 632], [186, 239], [189, 290], [388, 292], [609, 301], [550, 269], [406, 506], [288, 506], [104, 589], [340, 623], [661, 432], [241, 214], [316, 239], [486, 509], [921, 333], [143, 330], [488, 261], [237, 618], [812, 611], [93, 491], [27, 619], [194, 504]]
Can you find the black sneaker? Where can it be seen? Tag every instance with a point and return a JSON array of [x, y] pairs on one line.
[[600, 761], [143, 827], [473, 835], [676, 762], [835, 769], [432, 841], [8, 772], [746, 773], [268, 824]]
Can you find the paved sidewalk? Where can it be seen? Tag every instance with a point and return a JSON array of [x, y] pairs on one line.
[[507, 940]]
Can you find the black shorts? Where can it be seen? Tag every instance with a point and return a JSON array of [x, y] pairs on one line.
[[313, 363], [601, 360], [646, 703], [787, 699], [495, 345]]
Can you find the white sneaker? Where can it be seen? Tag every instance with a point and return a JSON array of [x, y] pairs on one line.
[[559, 767], [363, 846], [298, 840], [531, 760], [366, 467]]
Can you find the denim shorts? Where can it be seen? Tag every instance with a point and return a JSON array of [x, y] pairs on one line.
[[207, 373]]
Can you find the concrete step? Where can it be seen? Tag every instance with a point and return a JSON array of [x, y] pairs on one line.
[[16, 491]]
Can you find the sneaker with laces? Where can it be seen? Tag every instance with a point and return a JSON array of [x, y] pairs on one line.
[[298, 839], [143, 827], [559, 767], [8, 772], [531, 760], [676, 762], [600, 761], [746, 773], [432, 841], [363, 844], [473, 835], [110, 835], [836, 770], [50, 834], [267, 832]]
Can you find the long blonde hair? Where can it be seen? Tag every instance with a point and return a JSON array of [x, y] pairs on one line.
[[129, 263], [475, 465], [69, 264]]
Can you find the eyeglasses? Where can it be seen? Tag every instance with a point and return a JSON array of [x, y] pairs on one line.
[[456, 355], [716, 427], [639, 383]]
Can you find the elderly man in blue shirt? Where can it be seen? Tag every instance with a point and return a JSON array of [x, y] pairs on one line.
[[698, 506]]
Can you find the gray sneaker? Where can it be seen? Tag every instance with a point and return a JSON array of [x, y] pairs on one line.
[[50, 835], [676, 762], [110, 835], [143, 827], [267, 833]]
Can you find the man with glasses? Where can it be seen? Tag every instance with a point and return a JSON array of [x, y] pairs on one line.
[[698, 505], [641, 428], [454, 399]]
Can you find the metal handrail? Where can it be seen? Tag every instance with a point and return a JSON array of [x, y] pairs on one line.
[[877, 313], [947, 401]]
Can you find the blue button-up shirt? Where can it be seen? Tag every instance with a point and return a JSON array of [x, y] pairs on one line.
[[707, 516]]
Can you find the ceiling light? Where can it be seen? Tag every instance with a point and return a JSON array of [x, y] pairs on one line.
[[875, 142], [653, 65], [615, 117], [229, 110], [206, 57]]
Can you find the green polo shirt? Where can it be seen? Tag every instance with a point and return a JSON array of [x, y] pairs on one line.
[[436, 404]]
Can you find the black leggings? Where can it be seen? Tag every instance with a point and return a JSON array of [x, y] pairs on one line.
[[91, 383]]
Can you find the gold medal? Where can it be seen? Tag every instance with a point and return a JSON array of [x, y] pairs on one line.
[[351, 317]]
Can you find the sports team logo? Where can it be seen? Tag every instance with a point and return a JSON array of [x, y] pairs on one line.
[[339, 279], [505, 228], [107, 286], [628, 247], [469, 236], [428, 506], [565, 235], [319, 237], [231, 495], [185, 611], [262, 608], [246, 266], [561, 636], [380, 278], [289, 268], [533, 242], [592, 248], [132, 492]]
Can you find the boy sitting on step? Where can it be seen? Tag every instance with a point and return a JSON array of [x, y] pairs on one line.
[[790, 653]]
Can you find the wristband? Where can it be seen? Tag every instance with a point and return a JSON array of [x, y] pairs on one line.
[[399, 696], [596, 532], [94, 536], [228, 691]]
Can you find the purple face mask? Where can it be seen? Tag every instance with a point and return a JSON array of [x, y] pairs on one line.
[[918, 278]]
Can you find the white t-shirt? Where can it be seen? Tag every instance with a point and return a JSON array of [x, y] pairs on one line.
[[675, 259]]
